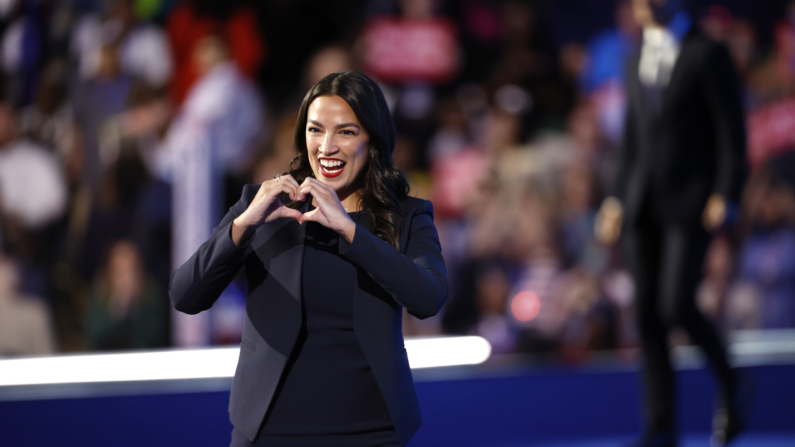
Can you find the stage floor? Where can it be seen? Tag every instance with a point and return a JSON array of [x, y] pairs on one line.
[[751, 439]]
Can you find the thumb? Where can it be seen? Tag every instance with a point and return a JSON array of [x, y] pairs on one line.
[[311, 216]]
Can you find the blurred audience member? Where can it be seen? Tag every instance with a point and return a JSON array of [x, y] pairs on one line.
[[25, 324], [192, 22], [717, 23], [276, 157], [125, 309], [742, 42], [99, 104], [146, 120], [115, 210], [49, 119], [591, 319], [452, 133], [23, 50], [491, 297], [609, 50], [143, 50], [213, 135], [713, 291], [32, 185], [577, 216], [767, 256], [771, 90], [603, 78], [329, 59]]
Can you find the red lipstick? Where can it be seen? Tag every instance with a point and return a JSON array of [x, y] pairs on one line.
[[331, 171]]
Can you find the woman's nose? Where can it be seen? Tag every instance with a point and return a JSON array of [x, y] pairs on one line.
[[328, 145]]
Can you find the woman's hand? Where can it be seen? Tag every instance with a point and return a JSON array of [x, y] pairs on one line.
[[329, 212], [266, 207]]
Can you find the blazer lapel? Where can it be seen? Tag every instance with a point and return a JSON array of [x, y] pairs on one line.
[[679, 69], [635, 87]]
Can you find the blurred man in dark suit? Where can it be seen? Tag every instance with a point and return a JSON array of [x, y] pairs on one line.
[[681, 172]]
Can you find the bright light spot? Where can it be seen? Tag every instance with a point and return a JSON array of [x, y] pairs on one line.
[[204, 363], [161, 365], [525, 306], [447, 351]]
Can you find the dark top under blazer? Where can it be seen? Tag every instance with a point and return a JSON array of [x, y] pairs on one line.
[[413, 277], [693, 144]]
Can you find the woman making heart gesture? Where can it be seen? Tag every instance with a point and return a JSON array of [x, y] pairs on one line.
[[333, 250]]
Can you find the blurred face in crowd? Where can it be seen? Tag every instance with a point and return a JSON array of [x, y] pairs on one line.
[[331, 59], [502, 132], [208, 53], [417, 9], [492, 292], [777, 204], [108, 62], [625, 17], [124, 267], [655, 12], [337, 144]]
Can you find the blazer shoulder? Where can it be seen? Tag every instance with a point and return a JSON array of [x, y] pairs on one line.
[[246, 197], [414, 205], [249, 192]]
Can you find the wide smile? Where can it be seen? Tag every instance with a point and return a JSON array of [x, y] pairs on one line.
[[331, 167]]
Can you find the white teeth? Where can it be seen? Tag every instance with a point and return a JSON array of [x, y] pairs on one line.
[[330, 163]]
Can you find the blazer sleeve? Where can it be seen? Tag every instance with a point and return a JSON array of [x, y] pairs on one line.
[[722, 87], [198, 283], [417, 280]]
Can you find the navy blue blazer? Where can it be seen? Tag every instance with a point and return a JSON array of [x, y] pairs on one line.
[[388, 280]]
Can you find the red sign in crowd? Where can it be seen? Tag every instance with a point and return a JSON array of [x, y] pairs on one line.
[[397, 50], [771, 131]]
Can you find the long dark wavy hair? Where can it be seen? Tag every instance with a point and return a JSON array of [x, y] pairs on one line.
[[383, 185]]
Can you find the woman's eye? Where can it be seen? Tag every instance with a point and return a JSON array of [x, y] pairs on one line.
[[349, 132], [313, 129]]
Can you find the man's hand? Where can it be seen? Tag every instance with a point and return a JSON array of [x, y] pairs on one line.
[[714, 213], [609, 220]]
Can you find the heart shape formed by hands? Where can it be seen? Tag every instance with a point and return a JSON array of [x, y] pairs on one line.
[[266, 207]]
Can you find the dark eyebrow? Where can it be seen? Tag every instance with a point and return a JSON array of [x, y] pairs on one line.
[[338, 126]]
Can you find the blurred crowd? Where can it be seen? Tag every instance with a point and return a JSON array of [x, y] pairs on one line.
[[128, 128]]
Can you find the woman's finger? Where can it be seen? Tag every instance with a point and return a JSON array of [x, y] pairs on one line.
[[323, 186], [314, 181], [294, 183], [293, 188], [289, 179], [273, 200], [318, 193], [283, 184], [305, 189]]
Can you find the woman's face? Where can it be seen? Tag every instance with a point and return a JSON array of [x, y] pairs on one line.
[[337, 144]]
